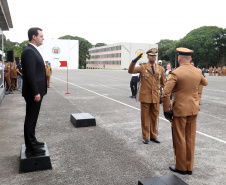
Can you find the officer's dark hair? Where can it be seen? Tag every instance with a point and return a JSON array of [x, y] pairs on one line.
[[33, 31]]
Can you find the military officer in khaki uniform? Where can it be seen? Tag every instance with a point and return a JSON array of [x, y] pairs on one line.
[[183, 82], [14, 75], [214, 70], [152, 76], [211, 71], [7, 75], [48, 72], [224, 71], [219, 71], [200, 88]]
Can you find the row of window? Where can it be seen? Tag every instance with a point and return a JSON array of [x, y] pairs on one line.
[[114, 55], [114, 48], [112, 62]]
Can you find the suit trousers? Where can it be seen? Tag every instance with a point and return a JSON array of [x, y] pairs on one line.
[[149, 118], [184, 132], [32, 112]]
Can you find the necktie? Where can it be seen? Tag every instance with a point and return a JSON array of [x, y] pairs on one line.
[[153, 69]]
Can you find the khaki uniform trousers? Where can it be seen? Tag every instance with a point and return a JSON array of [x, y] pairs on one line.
[[149, 118], [48, 79], [7, 79], [184, 132]]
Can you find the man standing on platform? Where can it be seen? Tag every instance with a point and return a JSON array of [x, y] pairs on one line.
[[152, 76], [183, 82], [34, 88]]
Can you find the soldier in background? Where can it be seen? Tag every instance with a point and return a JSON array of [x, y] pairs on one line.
[[7, 74], [14, 75], [133, 83], [214, 70], [48, 72], [224, 71], [183, 82], [200, 88], [152, 76], [211, 71], [219, 71]]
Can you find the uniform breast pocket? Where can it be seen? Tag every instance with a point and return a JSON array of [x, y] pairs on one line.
[[146, 75]]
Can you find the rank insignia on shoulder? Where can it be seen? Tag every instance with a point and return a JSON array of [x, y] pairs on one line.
[[169, 76]]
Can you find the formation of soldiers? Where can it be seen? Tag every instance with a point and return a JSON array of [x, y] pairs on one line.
[[10, 75], [12, 72], [220, 71]]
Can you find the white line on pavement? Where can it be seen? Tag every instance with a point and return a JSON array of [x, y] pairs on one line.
[[222, 141], [215, 90]]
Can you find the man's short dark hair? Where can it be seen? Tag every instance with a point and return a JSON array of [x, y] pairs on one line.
[[33, 31]]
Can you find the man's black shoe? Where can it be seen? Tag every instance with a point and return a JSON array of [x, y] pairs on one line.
[[35, 151], [39, 143], [132, 96], [155, 140], [145, 141], [189, 172], [172, 168]]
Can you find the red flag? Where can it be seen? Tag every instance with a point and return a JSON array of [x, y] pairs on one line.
[[63, 63]]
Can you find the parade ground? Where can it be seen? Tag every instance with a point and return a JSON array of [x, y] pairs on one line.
[[112, 152]]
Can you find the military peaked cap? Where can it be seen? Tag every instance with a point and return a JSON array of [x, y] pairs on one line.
[[152, 51], [184, 51]]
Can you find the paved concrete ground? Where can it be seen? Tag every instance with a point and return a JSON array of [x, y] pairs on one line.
[[112, 152]]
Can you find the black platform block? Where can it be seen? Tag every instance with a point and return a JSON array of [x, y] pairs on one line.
[[83, 120], [163, 180], [29, 163]]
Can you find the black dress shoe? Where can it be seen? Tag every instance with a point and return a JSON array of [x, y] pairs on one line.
[[34, 151], [189, 172], [145, 141], [155, 140], [172, 168], [39, 143]]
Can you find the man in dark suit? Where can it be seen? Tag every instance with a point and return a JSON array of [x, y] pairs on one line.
[[33, 90]]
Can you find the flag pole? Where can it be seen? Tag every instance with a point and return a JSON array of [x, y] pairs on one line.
[[67, 82]]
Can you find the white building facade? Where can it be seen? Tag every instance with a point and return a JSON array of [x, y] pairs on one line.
[[117, 56], [56, 50]]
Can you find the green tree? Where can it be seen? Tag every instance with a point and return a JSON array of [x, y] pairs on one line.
[[208, 42], [167, 51], [84, 47], [100, 44]]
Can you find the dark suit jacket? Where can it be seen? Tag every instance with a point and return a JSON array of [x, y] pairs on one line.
[[34, 75]]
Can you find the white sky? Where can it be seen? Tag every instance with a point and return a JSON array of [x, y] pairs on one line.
[[113, 21]]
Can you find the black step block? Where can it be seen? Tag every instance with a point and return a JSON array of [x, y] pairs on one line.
[[83, 120], [30, 163], [163, 180]]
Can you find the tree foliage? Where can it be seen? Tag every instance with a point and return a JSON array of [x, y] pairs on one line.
[[100, 44], [208, 43]]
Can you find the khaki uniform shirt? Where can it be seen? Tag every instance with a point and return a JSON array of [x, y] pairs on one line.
[[219, 70], [149, 88], [48, 70], [7, 73], [183, 82], [14, 71]]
